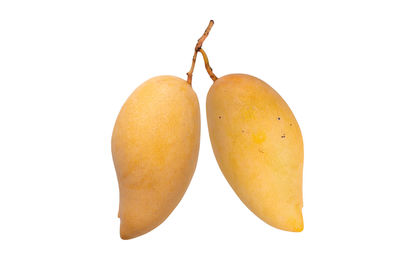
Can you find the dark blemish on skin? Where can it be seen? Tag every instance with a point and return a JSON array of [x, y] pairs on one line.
[[283, 136], [219, 117], [279, 118], [242, 131], [290, 124]]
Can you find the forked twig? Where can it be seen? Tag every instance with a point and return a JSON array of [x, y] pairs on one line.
[[198, 49]]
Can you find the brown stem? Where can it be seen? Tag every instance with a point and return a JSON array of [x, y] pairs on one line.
[[197, 49], [190, 73], [208, 67]]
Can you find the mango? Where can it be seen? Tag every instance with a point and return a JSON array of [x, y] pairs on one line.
[[155, 145], [259, 148]]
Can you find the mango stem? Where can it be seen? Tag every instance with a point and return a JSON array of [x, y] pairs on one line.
[[197, 49], [208, 67]]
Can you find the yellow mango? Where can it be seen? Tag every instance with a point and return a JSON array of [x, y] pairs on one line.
[[259, 148], [155, 145]]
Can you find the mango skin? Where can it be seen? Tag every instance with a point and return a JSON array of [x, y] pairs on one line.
[[259, 148], [155, 145]]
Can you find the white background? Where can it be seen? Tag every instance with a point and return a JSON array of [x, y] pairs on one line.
[[66, 67]]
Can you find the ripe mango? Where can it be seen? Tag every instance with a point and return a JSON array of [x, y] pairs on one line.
[[155, 145], [259, 148]]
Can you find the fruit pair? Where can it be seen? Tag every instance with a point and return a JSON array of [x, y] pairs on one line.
[[255, 137]]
